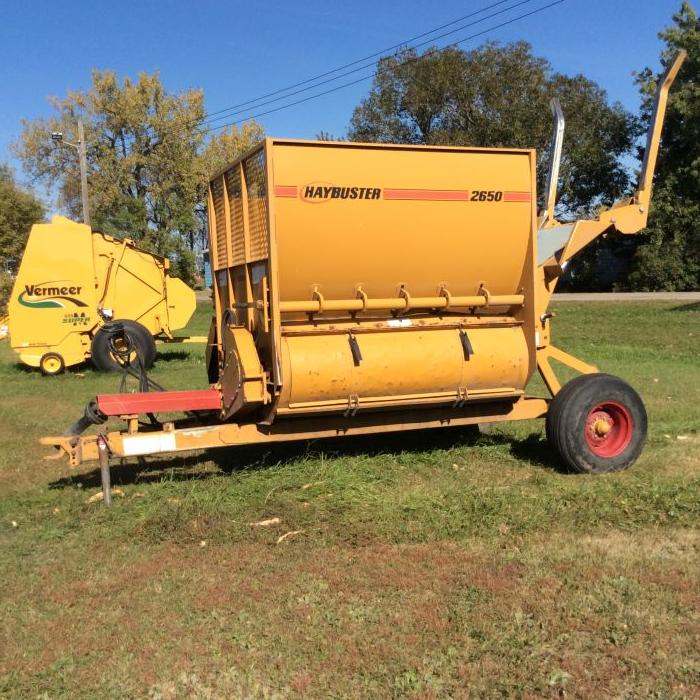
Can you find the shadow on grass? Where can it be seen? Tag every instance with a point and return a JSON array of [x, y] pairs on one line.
[[535, 450], [21, 368], [172, 356], [532, 449], [693, 306]]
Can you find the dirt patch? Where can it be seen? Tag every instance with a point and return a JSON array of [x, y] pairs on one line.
[[422, 619]]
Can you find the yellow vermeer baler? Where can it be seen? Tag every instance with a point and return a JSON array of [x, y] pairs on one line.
[[74, 284], [365, 288]]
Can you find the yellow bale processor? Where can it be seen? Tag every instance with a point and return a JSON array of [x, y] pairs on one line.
[[73, 282], [366, 288]]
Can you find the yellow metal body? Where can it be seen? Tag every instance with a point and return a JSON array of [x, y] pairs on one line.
[[369, 277], [424, 364], [366, 288], [69, 273]]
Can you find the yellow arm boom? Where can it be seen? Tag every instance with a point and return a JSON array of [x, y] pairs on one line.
[[558, 243], [643, 194]]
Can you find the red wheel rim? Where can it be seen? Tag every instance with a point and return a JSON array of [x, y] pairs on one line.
[[608, 429]]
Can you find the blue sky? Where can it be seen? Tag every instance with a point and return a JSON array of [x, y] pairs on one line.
[[237, 51]]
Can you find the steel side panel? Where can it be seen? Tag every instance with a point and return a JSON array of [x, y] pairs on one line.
[[420, 229], [552, 239]]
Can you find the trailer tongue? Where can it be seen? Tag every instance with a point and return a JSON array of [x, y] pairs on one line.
[[365, 288]]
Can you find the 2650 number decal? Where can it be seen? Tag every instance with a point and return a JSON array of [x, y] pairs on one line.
[[486, 196]]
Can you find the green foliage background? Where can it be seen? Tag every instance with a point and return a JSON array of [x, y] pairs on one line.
[[148, 161], [19, 209], [668, 256]]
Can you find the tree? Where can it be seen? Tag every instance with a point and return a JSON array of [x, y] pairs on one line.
[[231, 143], [668, 256], [147, 156], [499, 96], [19, 209], [218, 152], [327, 136]]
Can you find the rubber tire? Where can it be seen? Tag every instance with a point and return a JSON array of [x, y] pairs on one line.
[[52, 355], [103, 359], [566, 423]]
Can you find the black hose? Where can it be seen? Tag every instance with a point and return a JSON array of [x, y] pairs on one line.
[[116, 332], [91, 416]]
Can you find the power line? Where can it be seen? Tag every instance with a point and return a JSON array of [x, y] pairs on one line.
[[360, 68], [371, 75], [377, 54]]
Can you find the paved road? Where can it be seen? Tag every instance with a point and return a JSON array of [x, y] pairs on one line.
[[629, 296]]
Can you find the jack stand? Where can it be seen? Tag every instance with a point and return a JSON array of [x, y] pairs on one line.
[[103, 453]]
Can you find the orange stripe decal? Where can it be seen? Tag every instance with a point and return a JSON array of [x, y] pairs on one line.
[[516, 196], [430, 195], [292, 191]]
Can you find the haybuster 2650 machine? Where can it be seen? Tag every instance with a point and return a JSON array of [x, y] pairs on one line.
[[365, 288]]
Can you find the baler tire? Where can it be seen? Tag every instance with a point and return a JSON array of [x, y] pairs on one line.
[[105, 361], [146, 342], [52, 364], [597, 424]]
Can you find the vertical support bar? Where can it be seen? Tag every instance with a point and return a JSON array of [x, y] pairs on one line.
[[250, 320], [227, 222], [555, 161], [229, 244], [211, 227], [276, 330], [213, 262], [103, 455], [527, 314], [246, 217], [547, 373]]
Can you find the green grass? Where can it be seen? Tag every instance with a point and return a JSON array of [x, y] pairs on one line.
[[429, 565]]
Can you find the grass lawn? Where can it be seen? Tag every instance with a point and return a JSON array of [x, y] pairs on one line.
[[429, 565]]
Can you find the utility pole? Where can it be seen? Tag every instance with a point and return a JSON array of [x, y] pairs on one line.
[[57, 136], [82, 157]]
